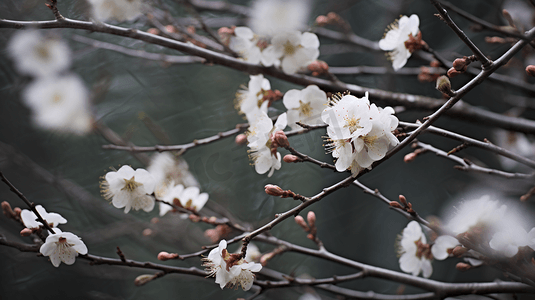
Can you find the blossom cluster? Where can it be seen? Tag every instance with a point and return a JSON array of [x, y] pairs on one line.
[[230, 269], [59, 246], [359, 133], [293, 51], [58, 100], [303, 106], [139, 189], [483, 222]]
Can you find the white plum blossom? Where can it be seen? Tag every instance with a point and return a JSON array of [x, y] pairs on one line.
[[130, 189], [60, 104], [516, 142], [264, 157], [37, 55], [118, 10], [397, 40], [348, 118], [293, 51], [189, 198], [29, 218], [269, 17], [508, 239], [415, 255], [443, 245], [483, 212], [305, 106], [230, 269], [245, 43], [62, 247], [250, 99], [358, 133]]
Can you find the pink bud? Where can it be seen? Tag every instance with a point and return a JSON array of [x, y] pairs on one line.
[[452, 72], [322, 20], [403, 200], [240, 139], [301, 222], [311, 218], [147, 232], [530, 70], [163, 256], [26, 232], [290, 158], [463, 266], [273, 190], [410, 157], [6, 208], [171, 28], [154, 31]]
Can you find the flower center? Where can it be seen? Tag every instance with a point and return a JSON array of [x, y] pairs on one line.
[[42, 52], [352, 124], [56, 98], [131, 184], [369, 139], [305, 108], [289, 49], [423, 250], [414, 43]]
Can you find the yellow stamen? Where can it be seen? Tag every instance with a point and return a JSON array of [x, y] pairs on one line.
[[131, 184]]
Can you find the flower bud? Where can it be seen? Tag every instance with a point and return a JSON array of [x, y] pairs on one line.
[[322, 20], [171, 28], [301, 222], [396, 204], [194, 218], [403, 200], [6, 208], [452, 72], [273, 190], [459, 250], [290, 158], [463, 266], [444, 85], [530, 70], [143, 279], [318, 67], [460, 64], [147, 232], [163, 256], [26, 232], [410, 157], [310, 236], [311, 218], [154, 31], [281, 139], [435, 64], [240, 139]]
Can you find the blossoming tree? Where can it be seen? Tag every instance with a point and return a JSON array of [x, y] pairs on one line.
[[219, 219]]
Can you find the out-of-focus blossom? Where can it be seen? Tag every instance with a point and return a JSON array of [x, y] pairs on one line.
[[118, 10], [60, 104], [415, 254], [37, 55], [292, 50], [269, 17], [442, 247]]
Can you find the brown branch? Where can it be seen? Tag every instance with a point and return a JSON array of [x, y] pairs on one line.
[[486, 63], [463, 111], [31, 205]]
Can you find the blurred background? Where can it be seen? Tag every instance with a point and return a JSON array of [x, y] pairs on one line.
[[62, 172]]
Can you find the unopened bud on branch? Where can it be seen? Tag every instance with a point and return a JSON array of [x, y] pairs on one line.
[[163, 256], [311, 218], [301, 222], [452, 72], [26, 232], [396, 204], [6, 208], [403, 200], [273, 190], [241, 139], [530, 70], [459, 250], [281, 139], [143, 279], [410, 157], [463, 266], [290, 158], [444, 85]]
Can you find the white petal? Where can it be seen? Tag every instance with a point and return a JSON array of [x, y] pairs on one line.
[[291, 99], [310, 40]]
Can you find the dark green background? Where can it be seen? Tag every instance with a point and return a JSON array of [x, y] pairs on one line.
[[196, 101]]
